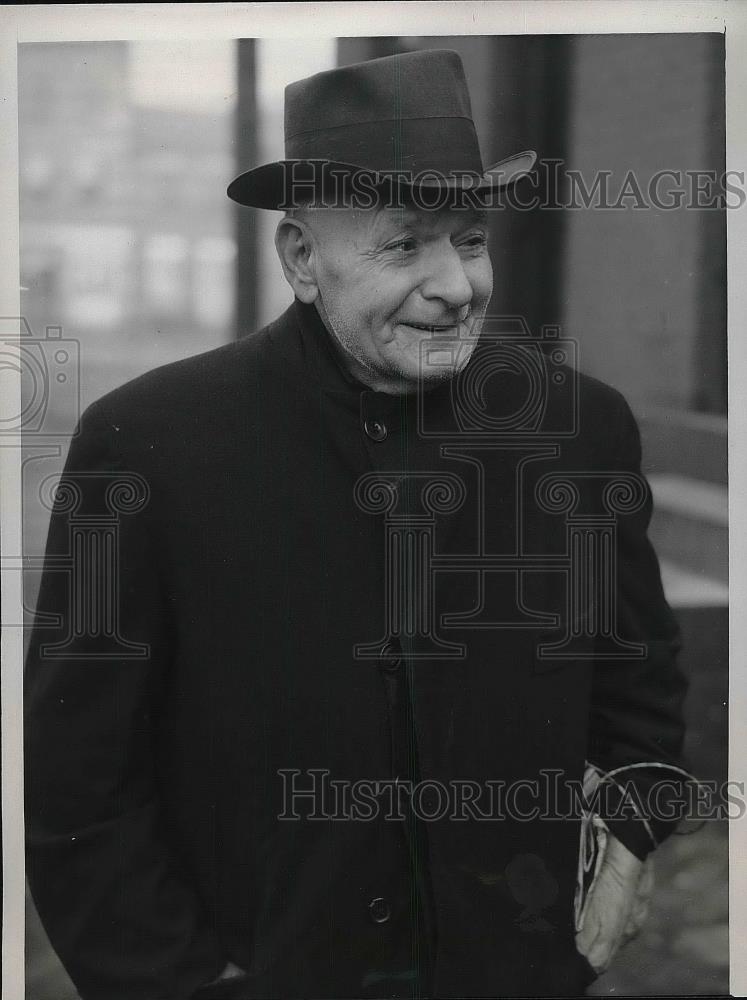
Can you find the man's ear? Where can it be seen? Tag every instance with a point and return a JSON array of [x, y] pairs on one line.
[[294, 244]]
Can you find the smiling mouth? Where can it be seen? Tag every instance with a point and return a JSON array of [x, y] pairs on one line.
[[441, 328]]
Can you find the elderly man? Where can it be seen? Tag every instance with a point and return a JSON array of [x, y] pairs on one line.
[[340, 586]]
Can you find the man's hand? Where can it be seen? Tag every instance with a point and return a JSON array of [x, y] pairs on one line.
[[617, 906], [231, 971], [218, 987]]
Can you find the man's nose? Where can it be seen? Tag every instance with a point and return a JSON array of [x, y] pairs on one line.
[[447, 279]]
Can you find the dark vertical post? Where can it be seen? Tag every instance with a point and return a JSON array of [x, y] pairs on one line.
[[553, 73], [710, 374], [246, 147], [530, 80]]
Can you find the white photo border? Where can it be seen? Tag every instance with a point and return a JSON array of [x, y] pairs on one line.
[[84, 22]]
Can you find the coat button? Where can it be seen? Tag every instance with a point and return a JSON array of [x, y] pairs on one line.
[[390, 657], [375, 429], [380, 910]]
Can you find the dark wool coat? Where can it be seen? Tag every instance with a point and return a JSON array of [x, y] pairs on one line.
[[249, 570]]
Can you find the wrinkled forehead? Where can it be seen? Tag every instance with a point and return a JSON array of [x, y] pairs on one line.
[[415, 217], [376, 223]]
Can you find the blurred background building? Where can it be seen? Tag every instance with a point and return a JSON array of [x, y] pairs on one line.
[[132, 256]]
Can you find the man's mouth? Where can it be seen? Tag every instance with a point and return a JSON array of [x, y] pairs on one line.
[[434, 328]]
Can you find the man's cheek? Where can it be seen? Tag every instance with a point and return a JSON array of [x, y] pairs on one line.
[[482, 283]]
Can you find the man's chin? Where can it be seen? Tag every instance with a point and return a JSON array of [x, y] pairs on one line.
[[427, 376], [433, 376], [442, 364], [439, 364]]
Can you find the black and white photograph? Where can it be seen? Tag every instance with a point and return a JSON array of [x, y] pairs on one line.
[[366, 413]]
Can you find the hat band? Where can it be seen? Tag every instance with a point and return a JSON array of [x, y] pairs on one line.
[[414, 145]]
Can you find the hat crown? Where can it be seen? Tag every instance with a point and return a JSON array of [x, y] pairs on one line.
[[373, 126], [411, 85]]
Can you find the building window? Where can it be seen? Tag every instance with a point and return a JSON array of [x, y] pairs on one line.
[[165, 276]]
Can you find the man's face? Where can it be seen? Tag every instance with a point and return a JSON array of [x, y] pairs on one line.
[[391, 280]]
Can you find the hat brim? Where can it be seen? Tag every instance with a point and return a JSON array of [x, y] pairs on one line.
[[287, 184]]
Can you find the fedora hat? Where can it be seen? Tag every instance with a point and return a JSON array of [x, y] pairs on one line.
[[403, 120]]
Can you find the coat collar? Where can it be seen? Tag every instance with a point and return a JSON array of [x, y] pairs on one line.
[[314, 359], [321, 355], [310, 347]]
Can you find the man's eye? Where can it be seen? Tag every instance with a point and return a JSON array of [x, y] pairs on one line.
[[475, 241], [406, 245]]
